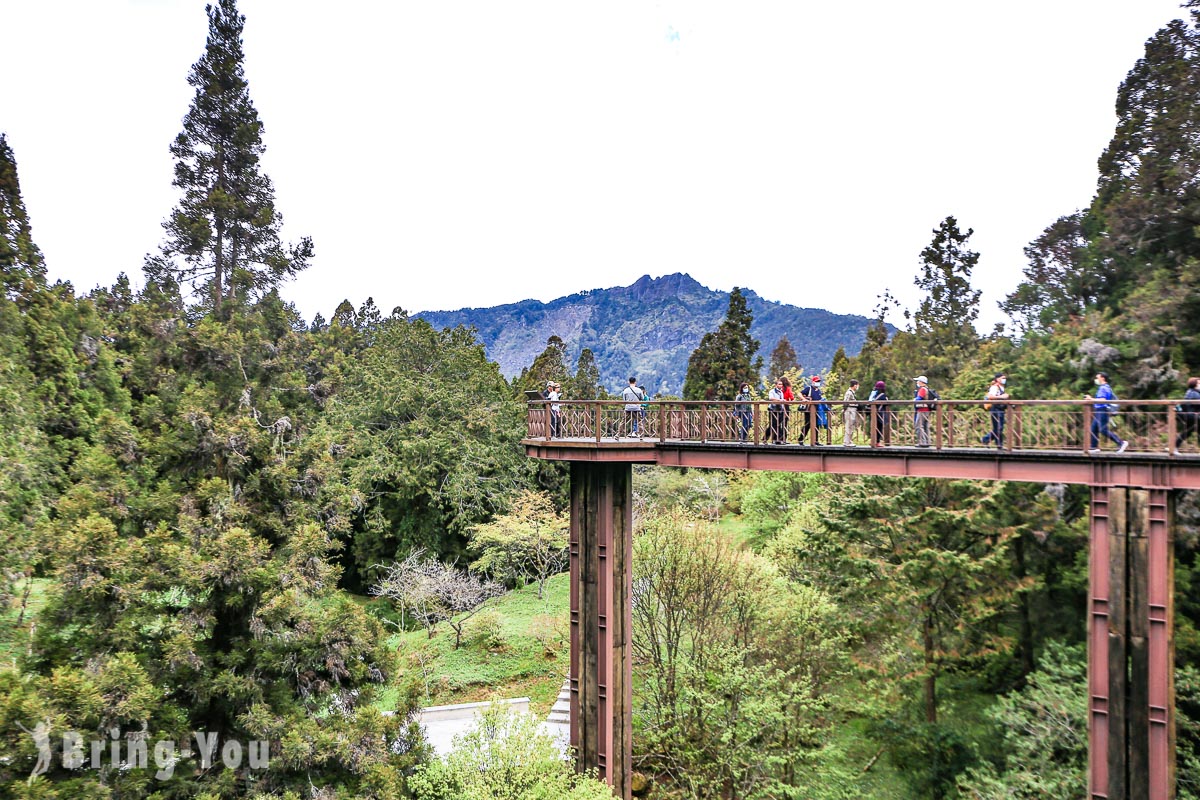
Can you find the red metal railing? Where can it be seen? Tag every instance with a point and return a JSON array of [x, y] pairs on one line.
[[1150, 426]]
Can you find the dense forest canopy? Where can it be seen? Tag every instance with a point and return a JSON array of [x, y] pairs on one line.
[[198, 491]]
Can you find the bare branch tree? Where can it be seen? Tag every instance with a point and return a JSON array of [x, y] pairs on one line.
[[434, 592]]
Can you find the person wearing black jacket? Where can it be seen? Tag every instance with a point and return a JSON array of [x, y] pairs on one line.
[[883, 413], [1189, 414], [812, 393]]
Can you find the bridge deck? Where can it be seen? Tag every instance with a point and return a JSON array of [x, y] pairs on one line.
[[1136, 469]]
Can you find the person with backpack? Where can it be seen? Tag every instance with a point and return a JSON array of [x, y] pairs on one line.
[[1189, 415], [811, 393], [633, 397], [923, 399], [883, 413], [1102, 412], [743, 410], [993, 405]]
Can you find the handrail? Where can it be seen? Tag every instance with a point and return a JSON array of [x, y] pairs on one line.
[[1085, 424]]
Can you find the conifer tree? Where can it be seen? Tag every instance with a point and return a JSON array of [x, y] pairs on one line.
[[943, 323], [725, 357], [21, 265], [225, 232], [549, 365], [586, 383], [783, 358]]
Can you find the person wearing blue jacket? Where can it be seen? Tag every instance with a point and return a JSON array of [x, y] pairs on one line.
[[1101, 415]]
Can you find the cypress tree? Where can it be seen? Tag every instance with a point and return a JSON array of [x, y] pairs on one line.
[[225, 232], [725, 357], [21, 265], [783, 358]]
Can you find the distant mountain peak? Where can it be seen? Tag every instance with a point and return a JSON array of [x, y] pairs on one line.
[[648, 329]]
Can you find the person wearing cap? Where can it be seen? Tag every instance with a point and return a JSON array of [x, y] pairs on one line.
[[1101, 414], [554, 394], [850, 412], [811, 393], [922, 406], [883, 413], [995, 394]]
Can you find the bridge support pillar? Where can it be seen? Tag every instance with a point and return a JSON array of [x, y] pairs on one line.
[[1131, 646], [601, 547]]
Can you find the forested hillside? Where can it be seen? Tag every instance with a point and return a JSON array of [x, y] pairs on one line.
[[648, 329], [223, 524]]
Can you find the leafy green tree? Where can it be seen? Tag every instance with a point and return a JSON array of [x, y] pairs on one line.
[[944, 320], [1043, 728], [527, 543], [423, 437], [505, 757], [737, 663], [783, 359], [725, 357], [1058, 282], [926, 561], [225, 232]]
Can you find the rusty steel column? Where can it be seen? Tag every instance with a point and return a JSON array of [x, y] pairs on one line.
[[601, 548], [1131, 652]]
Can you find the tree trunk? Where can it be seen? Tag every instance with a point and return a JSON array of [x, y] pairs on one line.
[[930, 673], [1026, 625]]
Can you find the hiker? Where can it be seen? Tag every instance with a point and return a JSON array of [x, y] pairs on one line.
[[995, 393], [1102, 413], [743, 410], [850, 411], [776, 417], [923, 406], [812, 393], [1189, 415], [883, 413]]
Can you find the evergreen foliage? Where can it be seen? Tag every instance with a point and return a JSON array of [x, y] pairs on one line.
[[225, 230], [725, 357], [783, 358], [944, 320], [22, 267]]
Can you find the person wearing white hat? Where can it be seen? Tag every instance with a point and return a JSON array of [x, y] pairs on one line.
[[923, 409]]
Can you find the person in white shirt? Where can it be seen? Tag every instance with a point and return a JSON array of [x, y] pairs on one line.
[[995, 394], [633, 397]]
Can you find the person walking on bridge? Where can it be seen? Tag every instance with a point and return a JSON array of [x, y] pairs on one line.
[[776, 419], [1101, 414], [743, 410], [883, 413], [1189, 415], [995, 394], [923, 397], [850, 412]]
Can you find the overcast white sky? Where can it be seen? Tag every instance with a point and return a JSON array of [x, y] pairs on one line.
[[449, 154]]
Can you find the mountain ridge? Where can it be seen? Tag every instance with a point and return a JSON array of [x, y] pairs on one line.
[[648, 329]]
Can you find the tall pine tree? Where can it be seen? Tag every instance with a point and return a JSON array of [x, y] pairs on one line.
[[225, 233], [943, 322], [783, 358], [725, 357], [21, 265]]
